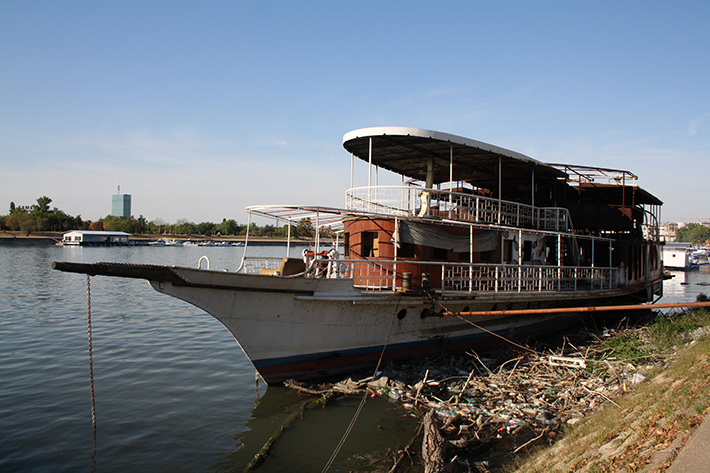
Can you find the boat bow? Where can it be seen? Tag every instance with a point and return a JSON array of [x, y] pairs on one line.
[[150, 272]]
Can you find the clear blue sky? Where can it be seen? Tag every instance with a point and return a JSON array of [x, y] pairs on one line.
[[199, 109]]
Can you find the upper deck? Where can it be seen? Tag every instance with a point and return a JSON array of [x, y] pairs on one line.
[[456, 178]]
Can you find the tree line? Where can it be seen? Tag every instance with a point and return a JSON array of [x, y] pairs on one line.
[[40, 218], [695, 233]]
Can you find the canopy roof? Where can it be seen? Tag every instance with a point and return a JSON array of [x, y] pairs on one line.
[[406, 151], [627, 195]]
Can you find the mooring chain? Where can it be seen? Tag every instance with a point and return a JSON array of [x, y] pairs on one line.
[[364, 397], [91, 355]]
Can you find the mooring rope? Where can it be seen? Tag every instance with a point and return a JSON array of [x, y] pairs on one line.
[[91, 357], [364, 397], [436, 301]]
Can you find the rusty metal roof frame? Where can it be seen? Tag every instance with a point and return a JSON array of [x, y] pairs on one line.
[[607, 185]]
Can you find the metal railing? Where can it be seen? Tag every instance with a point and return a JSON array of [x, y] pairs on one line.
[[525, 278], [383, 275], [252, 265], [420, 202]]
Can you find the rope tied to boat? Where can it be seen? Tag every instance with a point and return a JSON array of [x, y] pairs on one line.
[[458, 315], [364, 396]]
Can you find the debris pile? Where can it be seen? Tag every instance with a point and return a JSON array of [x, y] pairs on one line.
[[483, 404]]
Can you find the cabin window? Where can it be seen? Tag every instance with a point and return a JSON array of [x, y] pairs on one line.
[[465, 256], [654, 257], [508, 251], [527, 251], [486, 256], [346, 244], [406, 250], [439, 253], [370, 244]]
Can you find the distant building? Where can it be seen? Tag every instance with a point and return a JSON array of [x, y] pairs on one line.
[[121, 204], [668, 230], [30, 208]]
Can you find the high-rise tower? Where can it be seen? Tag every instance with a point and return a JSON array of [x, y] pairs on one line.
[[121, 204]]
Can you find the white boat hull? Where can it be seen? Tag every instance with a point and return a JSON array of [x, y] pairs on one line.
[[311, 328]]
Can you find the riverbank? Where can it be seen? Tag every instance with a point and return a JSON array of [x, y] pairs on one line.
[[645, 429], [7, 236]]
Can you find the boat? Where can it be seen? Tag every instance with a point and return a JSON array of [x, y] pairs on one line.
[[95, 238], [699, 257], [677, 256], [474, 244], [682, 256]]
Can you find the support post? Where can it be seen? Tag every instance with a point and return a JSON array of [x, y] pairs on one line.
[[559, 262], [288, 240], [520, 260], [451, 178], [500, 188], [246, 243], [470, 260]]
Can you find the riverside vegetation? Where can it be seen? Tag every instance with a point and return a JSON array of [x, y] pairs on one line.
[[622, 397], [41, 218]]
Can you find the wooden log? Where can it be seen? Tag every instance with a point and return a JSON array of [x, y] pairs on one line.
[[264, 451], [285, 425], [433, 446]]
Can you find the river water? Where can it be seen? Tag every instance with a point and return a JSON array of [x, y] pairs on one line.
[[173, 391]]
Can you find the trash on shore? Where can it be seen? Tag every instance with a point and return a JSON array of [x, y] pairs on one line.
[[510, 403]]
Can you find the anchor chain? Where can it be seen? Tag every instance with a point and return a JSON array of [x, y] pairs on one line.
[[91, 355]]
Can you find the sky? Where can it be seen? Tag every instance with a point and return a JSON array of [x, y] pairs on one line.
[[199, 109]]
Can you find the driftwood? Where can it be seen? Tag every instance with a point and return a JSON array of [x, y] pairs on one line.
[[264, 451], [433, 446], [297, 413]]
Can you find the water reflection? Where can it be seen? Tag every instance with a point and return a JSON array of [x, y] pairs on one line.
[[685, 286], [312, 432], [173, 390]]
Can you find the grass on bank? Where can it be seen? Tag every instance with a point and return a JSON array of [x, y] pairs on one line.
[[652, 418]]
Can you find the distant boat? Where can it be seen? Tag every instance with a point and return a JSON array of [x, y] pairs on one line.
[[173, 243], [699, 257], [157, 243], [95, 238], [676, 255]]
